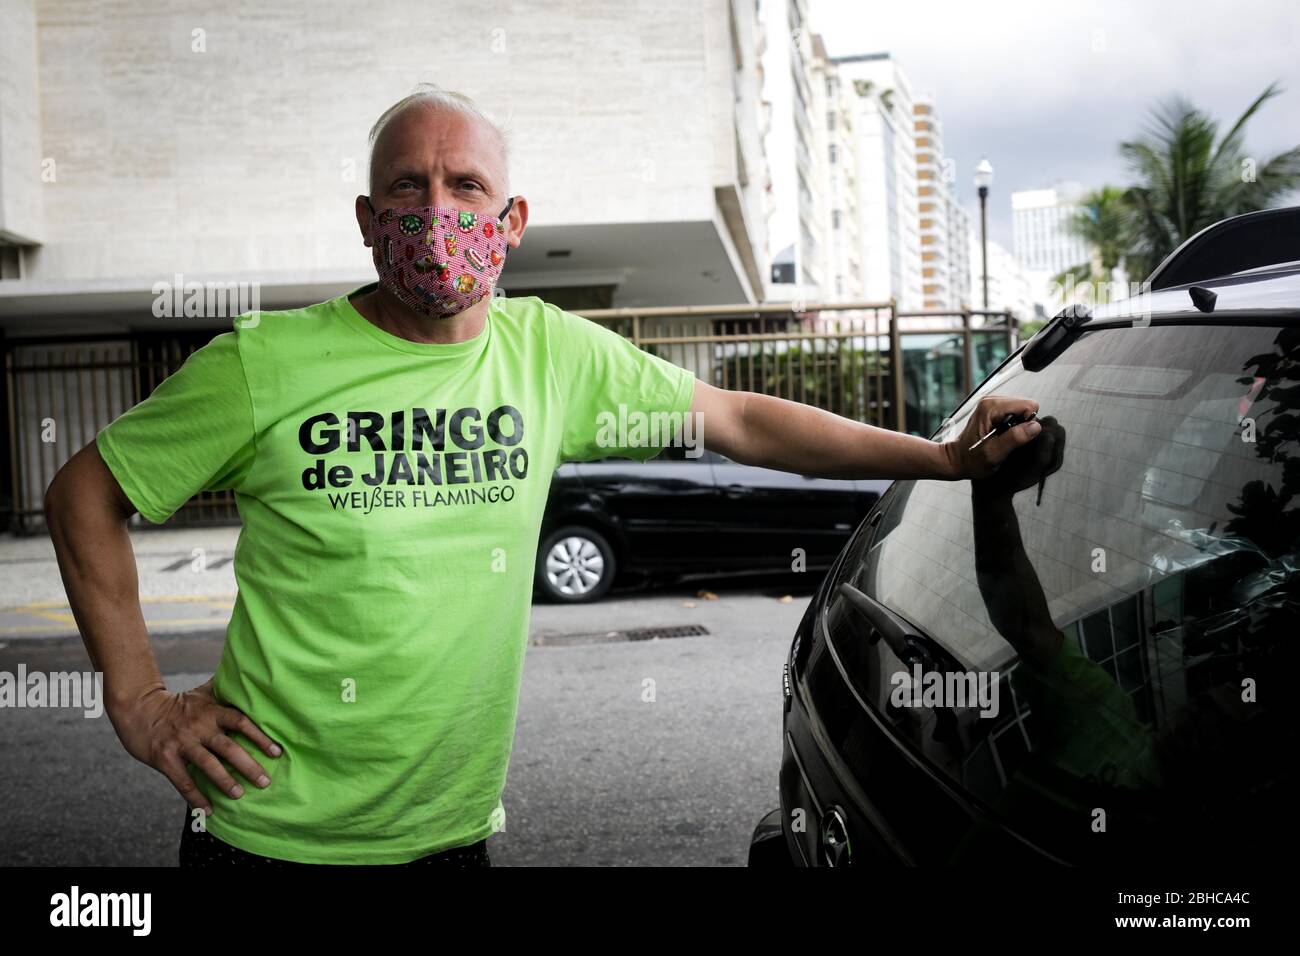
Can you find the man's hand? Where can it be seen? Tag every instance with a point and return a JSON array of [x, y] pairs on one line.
[[985, 459], [165, 730], [1027, 465], [772, 432]]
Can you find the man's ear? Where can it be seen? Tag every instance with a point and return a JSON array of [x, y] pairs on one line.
[[363, 218], [516, 221]]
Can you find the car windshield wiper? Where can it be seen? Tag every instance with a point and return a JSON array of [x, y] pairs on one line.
[[914, 650], [1054, 337], [907, 646]]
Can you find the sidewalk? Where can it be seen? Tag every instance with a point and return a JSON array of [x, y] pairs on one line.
[[187, 583], [187, 588]]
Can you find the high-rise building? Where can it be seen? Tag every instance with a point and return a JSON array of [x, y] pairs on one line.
[[944, 225], [796, 222], [1042, 243], [961, 291], [1011, 286], [833, 101], [881, 114]]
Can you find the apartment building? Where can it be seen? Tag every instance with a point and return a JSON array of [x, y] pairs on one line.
[[796, 226], [1011, 285], [881, 113], [944, 225], [1040, 240], [146, 151], [138, 142]]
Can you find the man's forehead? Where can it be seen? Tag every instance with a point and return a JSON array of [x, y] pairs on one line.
[[464, 162], [421, 133]]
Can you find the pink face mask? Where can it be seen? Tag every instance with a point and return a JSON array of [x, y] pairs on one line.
[[435, 259]]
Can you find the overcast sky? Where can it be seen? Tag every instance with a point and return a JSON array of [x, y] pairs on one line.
[[1022, 83]]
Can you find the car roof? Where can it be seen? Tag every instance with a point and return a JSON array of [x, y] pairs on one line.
[[1272, 290]]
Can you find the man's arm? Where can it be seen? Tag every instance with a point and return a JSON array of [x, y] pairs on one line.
[[770, 432], [86, 512]]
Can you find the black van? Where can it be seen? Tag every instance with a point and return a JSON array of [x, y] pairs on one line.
[[1089, 657]]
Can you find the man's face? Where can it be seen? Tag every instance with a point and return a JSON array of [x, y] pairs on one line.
[[428, 156]]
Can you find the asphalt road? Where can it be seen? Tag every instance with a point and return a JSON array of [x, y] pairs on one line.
[[598, 776]]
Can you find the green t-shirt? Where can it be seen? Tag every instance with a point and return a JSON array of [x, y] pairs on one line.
[[392, 494]]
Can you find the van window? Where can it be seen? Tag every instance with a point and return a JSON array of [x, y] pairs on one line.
[[1139, 608]]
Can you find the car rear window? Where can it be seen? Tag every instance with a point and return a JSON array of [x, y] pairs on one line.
[[1140, 618]]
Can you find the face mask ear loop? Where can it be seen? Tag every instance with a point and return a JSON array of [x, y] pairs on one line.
[[505, 212]]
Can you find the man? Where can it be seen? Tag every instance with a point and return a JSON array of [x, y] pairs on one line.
[[391, 452]]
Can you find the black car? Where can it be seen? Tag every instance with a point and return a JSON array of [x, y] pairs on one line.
[[688, 511], [1087, 658]]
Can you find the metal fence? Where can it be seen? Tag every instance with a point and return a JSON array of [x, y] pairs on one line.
[[842, 357], [865, 361], [60, 393]]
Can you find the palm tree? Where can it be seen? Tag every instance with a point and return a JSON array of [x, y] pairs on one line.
[[1188, 177], [1099, 223]]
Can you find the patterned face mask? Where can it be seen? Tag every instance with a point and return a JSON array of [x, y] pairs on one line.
[[435, 259]]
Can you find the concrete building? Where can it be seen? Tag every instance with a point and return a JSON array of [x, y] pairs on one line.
[[944, 225], [148, 151], [843, 266], [882, 117], [1040, 240], [794, 146], [960, 234], [135, 145], [1011, 286]]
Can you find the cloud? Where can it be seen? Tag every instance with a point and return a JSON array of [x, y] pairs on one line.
[[1048, 92]]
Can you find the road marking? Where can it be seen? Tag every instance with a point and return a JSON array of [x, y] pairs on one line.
[[62, 620]]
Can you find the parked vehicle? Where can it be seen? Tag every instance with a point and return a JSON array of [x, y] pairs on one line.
[[676, 515], [1109, 623]]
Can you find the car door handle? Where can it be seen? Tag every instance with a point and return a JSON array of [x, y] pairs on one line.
[[736, 491]]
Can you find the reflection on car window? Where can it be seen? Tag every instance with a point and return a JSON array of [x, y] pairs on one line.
[[1143, 617], [679, 453]]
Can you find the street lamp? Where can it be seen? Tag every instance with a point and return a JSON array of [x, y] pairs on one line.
[[983, 178]]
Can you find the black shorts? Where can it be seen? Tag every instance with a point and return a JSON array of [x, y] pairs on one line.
[[203, 849]]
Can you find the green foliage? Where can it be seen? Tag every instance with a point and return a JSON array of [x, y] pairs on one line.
[[837, 375], [1186, 176], [1027, 329]]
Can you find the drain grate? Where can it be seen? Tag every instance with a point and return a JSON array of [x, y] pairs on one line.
[[609, 637], [651, 633]]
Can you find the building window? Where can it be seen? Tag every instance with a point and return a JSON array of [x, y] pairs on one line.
[[833, 152], [830, 120], [835, 219], [782, 272]]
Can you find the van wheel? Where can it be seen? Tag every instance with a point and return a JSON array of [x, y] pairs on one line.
[[574, 565]]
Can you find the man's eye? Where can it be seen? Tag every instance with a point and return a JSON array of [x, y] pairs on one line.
[[469, 185], [404, 183]]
